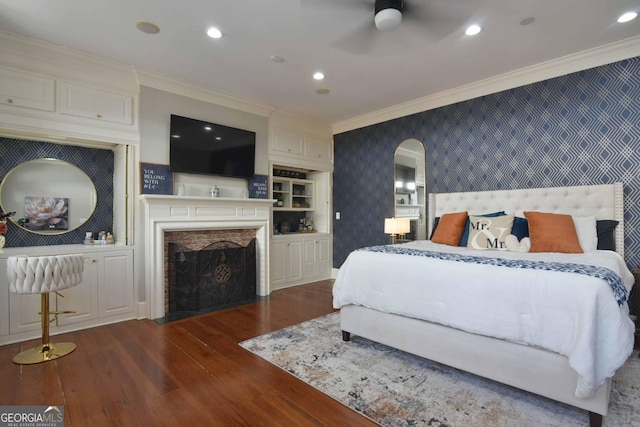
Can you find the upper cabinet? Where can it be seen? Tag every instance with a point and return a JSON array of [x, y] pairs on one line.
[[35, 104], [287, 143], [19, 89], [96, 104], [50, 93], [301, 149]]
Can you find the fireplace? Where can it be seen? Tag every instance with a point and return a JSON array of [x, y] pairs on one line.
[[195, 216], [220, 275]]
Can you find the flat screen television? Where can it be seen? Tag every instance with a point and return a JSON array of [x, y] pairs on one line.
[[211, 149]]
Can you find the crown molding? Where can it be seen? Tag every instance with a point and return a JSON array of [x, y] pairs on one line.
[[177, 86], [607, 54]]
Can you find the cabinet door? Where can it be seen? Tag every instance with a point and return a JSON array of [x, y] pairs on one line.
[[288, 142], [24, 311], [295, 260], [310, 268], [286, 262], [316, 258], [322, 256], [4, 298], [319, 149], [278, 258], [80, 298], [115, 284], [26, 90], [95, 104]]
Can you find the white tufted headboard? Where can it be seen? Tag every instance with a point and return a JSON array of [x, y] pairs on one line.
[[601, 201]]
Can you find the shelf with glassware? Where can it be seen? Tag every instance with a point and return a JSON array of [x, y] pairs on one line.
[[293, 194]]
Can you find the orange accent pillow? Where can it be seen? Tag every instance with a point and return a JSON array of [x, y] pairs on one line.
[[551, 232], [450, 228]]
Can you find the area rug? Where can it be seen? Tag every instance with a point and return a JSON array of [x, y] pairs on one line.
[[394, 388]]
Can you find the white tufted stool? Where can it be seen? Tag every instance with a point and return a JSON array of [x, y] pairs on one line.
[[41, 275]]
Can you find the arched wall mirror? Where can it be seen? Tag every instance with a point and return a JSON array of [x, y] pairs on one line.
[[410, 187], [49, 196]]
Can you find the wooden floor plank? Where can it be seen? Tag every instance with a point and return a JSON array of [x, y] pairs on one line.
[[189, 372]]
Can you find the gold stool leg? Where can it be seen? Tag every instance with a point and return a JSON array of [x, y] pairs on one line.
[[47, 350]]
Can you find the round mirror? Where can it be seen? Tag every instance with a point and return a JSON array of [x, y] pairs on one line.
[[410, 187], [49, 196]]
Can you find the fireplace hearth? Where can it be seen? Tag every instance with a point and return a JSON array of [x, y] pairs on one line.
[[218, 276]]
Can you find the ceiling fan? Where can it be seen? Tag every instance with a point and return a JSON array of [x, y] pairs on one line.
[[397, 25]]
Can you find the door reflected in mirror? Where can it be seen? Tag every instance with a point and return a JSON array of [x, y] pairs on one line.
[[410, 186], [49, 196]]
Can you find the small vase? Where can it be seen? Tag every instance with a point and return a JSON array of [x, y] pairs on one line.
[[2, 240]]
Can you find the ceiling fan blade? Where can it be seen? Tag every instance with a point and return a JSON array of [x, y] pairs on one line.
[[438, 18], [360, 40], [362, 5]]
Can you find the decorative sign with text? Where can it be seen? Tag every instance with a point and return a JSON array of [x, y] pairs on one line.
[[155, 179], [258, 187]]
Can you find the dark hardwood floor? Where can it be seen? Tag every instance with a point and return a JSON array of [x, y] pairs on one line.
[[190, 372]]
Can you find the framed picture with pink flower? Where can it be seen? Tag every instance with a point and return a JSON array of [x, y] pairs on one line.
[[46, 213]]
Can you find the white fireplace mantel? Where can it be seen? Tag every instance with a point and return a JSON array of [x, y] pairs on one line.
[[173, 213]]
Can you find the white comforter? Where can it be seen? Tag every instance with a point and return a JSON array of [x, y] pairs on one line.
[[569, 313]]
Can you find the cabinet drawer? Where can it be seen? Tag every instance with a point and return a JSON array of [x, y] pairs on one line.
[[95, 104], [26, 90]]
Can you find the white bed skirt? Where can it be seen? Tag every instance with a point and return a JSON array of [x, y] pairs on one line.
[[528, 368]]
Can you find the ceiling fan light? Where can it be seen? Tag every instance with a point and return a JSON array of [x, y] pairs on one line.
[[388, 19]]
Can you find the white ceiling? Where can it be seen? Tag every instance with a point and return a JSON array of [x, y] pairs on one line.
[[424, 56]]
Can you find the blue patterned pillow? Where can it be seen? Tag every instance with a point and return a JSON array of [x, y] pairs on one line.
[[520, 228], [606, 234], [436, 221], [465, 234]]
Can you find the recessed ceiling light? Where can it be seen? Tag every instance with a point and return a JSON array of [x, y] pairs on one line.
[[318, 75], [147, 27], [214, 33], [472, 30], [527, 21], [276, 58], [626, 17], [207, 128], [322, 91]]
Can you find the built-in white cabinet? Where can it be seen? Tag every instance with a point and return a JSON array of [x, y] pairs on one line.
[[293, 194], [95, 104], [319, 149], [105, 295], [286, 265], [25, 90], [316, 263], [115, 284], [81, 298], [35, 104], [297, 148], [299, 258], [287, 142]]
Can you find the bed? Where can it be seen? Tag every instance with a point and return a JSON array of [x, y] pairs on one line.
[[574, 367]]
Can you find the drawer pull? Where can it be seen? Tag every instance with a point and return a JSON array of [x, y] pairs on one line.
[[99, 116], [9, 101]]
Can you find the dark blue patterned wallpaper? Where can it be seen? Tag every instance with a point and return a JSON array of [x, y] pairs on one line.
[[578, 129], [98, 164]]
